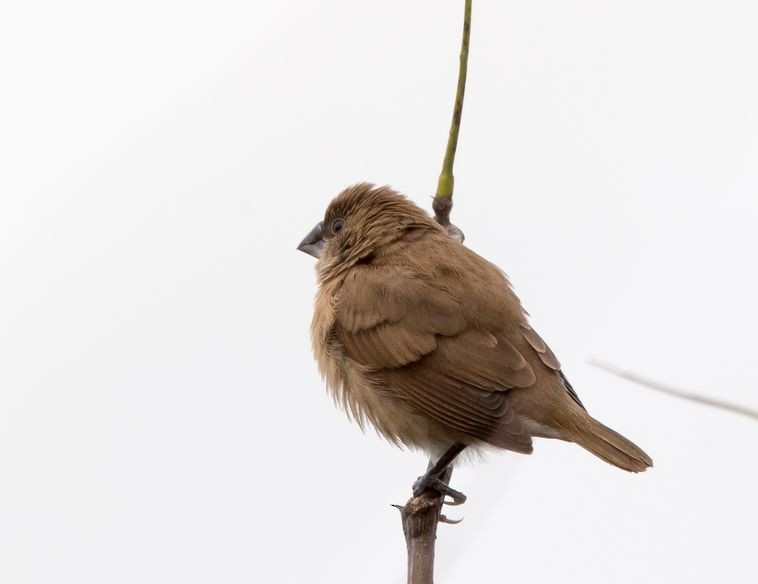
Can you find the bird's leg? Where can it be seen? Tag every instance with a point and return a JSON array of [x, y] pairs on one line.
[[438, 474]]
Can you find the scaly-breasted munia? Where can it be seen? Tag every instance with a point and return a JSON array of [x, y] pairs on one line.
[[422, 338]]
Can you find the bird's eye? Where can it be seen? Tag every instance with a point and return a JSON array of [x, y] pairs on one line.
[[337, 225]]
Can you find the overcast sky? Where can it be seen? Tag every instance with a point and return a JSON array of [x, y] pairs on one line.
[[161, 416]]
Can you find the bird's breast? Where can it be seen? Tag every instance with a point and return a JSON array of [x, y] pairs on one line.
[[362, 394]]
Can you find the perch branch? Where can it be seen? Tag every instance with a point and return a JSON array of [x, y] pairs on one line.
[[422, 513], [649, 383], [420, 516]]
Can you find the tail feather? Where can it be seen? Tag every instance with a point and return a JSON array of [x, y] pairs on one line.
[[612, 447]]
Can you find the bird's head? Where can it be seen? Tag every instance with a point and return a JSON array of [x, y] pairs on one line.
[[362, 222]]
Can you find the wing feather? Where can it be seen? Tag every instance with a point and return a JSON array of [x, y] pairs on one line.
[[535, 341], [413, 336]]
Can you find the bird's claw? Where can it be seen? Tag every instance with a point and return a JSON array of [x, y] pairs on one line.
[[426, 481], [459, 500]]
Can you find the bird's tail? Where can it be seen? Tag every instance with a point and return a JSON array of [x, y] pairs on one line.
[[612, 447]]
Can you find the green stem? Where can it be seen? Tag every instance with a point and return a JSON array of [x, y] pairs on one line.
[[446, 180]]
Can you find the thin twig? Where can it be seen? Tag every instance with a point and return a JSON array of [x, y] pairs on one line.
[[443, 199], [421, 514], [709, 401]]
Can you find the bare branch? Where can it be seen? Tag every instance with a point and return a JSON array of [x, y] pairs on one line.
[[420, 517], [709, 401]]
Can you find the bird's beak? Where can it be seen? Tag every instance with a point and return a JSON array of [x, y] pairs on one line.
[[313, 244]]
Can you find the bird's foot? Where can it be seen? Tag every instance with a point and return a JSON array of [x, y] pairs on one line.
[[433, 482]]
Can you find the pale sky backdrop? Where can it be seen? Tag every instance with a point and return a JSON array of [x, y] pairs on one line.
[[161, 417]]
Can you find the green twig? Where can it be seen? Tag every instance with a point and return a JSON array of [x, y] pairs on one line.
[[443, 199]]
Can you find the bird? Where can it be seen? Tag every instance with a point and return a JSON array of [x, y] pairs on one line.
[[420, 337]]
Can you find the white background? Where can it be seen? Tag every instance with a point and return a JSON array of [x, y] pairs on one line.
[[161, 417]]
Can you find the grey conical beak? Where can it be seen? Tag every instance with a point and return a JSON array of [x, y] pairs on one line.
[[313, 244]]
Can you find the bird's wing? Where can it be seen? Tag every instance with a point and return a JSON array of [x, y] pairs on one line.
[[414, 336], [548, 358]]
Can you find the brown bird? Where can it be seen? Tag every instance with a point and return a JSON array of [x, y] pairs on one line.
[[425, 340]]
